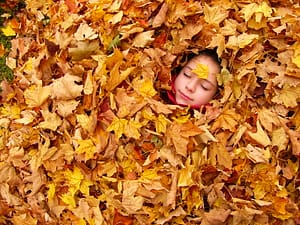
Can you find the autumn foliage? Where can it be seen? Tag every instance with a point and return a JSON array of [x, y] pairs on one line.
[[87, 139]]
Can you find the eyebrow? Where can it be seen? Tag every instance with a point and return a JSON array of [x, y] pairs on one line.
[[203, 79]]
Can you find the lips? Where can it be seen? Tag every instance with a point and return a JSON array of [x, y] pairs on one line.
[[185, 97]]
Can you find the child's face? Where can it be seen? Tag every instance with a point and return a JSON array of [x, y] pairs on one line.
[[192, 90]]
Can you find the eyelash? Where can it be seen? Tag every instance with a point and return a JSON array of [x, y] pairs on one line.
[[187, 75]]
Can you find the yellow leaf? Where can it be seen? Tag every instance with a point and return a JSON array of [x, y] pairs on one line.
[[51, 191], [265, 9], [144, 87], [248, 11], [201, 71], [11, 111], [116, 77], [260, 136], [8, 31], [118, 126], [86, 147], [215, 14], [288, 96], [227, 120], [85, 32], [241, 41], [296, 60], [36, 95], [52, 120], [84, 187], [280, 138], [132, 129], [161, 123], [69, 200], [74, 179], [185, 175]]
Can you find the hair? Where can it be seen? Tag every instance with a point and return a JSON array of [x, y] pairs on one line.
[[186, 57]]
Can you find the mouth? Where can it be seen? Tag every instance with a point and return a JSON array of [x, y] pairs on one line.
[[184, 96]]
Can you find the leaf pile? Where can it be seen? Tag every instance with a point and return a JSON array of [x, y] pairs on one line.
[[87, 139]]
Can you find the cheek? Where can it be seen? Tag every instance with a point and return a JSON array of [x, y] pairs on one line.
[[179, 82], [203, 97]]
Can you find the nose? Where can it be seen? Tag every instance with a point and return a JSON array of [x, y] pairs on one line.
[[191, 85]]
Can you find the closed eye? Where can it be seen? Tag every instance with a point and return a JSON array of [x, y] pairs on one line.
[[187, 75]]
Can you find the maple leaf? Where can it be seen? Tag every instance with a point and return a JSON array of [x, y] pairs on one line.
[[66, 88], [52, 120], [36, 95], [260, 136], [161, 123], [65, 107], [288, 95], [132, 129], [86, 147], [8, 31], [144, 38], [241, 41], [214, 15], [227, 120], [144, 87], [85, 32], [201, 71], [118, 126], [131, 202]]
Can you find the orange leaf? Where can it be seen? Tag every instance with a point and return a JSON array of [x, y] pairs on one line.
[[120, 219]]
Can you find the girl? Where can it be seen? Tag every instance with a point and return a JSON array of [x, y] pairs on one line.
[[196, 83]]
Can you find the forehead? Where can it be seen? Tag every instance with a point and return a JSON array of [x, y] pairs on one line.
[[205, 60]]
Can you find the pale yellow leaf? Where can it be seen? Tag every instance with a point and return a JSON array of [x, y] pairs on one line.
[[215, 14], [260, 136], [27, 117], [288, 96], [51, 121], [66, 88], [143, 39], [66, 107], [36, 95], [131, 202], [89, 83], [85, 32], [241, 41]]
